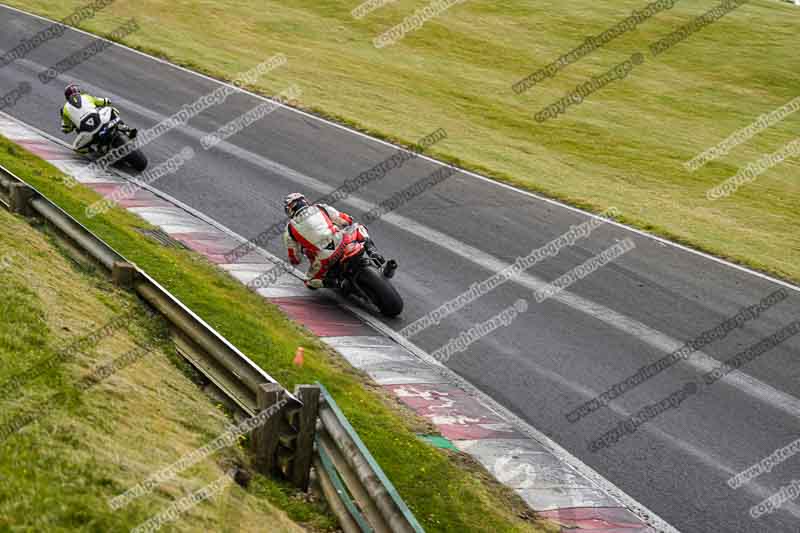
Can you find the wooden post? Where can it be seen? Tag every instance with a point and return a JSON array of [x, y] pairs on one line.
[[266, 436], [123, 274], [306, 432], [20, 195]]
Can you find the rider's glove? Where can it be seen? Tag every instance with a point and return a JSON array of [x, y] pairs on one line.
[[313, 284]]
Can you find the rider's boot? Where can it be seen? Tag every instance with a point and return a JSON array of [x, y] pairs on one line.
[[372, 251], [130, 132]]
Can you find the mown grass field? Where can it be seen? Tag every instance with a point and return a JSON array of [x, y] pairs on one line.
[[445, 491], [624, 145], [83, 447]]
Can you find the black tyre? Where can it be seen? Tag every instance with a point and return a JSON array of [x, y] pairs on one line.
[[137, 160], [381, 292]]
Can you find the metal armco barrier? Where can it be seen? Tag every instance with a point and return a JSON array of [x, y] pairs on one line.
[[345, 463], [228, 368], [5, 186], [306, 429]]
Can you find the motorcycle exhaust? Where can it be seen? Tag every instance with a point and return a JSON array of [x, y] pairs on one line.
[[388, 270]]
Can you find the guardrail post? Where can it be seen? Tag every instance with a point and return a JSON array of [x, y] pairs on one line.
[[306, 432], [20, 196], [123, 274], [266, 437]]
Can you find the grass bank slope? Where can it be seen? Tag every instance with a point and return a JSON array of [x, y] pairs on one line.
[[64, 449]]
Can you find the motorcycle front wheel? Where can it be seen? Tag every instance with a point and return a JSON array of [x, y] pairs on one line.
[[381, 292]]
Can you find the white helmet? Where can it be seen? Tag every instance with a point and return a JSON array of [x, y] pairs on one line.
[[294, 203]]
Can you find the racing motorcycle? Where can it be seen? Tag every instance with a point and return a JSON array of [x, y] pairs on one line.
[[101, 133], [356, 272]]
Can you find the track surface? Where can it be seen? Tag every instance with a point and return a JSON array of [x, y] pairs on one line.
[[548, 361]]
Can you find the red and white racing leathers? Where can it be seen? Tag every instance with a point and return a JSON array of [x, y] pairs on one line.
[[316, 230]]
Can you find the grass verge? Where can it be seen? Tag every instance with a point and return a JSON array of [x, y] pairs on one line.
[[624, 145], [65, 451], [443, 496]]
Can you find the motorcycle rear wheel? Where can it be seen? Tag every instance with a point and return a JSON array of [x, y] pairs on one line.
[[136, 158], [381, 292]]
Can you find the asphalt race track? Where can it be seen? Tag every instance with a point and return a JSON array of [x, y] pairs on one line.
[[550, 360]]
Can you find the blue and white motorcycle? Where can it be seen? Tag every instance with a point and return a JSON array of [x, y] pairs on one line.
[[104, 131]]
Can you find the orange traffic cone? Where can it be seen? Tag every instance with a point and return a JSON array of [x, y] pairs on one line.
[[298, 356]]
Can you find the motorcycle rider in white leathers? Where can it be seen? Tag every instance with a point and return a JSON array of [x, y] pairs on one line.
[[316, 230], [79, 106]]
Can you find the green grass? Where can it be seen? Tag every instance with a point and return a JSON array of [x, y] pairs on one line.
[[79, 449], [443, 495], [624, 146]]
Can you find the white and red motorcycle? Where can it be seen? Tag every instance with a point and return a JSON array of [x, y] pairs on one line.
[[356, 272]]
